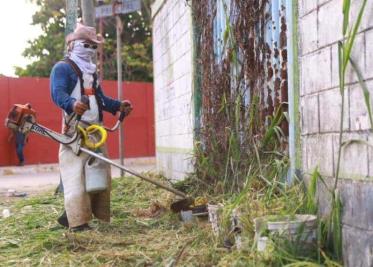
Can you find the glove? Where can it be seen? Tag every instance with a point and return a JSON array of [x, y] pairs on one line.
[[79, 107], [126, 107]]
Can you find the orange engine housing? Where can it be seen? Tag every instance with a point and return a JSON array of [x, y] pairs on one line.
[[19, 111]]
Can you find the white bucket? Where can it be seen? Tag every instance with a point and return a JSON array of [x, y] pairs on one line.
[[214, 217], [299, 227], [96, 175], [262, 243]]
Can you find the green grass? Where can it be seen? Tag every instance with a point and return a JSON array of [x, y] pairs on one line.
[[133, 238]]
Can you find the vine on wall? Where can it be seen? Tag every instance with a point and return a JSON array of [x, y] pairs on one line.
[[243, 90]]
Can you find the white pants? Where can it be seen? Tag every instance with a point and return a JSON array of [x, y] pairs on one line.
[[79, 204]]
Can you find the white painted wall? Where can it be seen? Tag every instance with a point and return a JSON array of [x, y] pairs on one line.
[[172, 49], [320, 28]]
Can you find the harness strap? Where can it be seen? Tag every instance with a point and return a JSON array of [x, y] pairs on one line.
[[87, 91]]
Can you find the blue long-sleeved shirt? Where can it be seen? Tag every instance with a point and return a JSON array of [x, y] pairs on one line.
[[63, 80]]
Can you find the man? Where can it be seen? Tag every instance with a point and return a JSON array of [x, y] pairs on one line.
[[69, 81], [20, 141]]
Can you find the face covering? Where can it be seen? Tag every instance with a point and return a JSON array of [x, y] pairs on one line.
[[83, 57]]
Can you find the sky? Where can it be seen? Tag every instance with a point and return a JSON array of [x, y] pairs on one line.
[[16, 30]]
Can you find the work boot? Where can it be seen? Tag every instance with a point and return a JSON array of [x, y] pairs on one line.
[[63, 220], [81, 228]]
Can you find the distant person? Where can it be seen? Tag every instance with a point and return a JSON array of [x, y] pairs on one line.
[[20, 142]]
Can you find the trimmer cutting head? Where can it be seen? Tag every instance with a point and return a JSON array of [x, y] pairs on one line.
[[182, 205]]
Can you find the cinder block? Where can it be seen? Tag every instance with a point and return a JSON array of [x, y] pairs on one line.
[[308, 32], [310, 114], [357, 246], [330, 23], [357, 218], [357, 196], [359, 116], [306, 6], [368, 73], [335, 66], [330, 111], [324, 197], [183, 65], [319, 153], [358, 56], [304, 167], [181, 162], [367, 19], [316, 72], [183, 85], [370, 157], [354, 157]]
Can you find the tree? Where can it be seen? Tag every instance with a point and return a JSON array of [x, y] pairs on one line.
[[48, 48]]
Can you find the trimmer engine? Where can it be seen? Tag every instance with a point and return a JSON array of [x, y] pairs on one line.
[[18, 115]]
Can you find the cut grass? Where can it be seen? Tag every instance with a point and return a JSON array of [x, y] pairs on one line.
[[142, 232], [29, 237]]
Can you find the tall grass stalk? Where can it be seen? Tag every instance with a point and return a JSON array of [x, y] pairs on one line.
[[344, 56]]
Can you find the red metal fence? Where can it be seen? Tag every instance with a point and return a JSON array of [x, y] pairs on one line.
[[139, 138]]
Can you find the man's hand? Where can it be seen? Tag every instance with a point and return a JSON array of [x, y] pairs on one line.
[[79, 107], [126, 107]]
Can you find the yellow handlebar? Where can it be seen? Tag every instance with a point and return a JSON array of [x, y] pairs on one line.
[[89, 130]]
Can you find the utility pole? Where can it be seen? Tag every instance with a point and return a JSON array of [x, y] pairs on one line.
[[119, 7], [89, 16], [101, 46], [88, 13], [119, 27], [71, 17]]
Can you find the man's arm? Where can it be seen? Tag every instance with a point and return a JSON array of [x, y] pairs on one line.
[[59, 86], [108, 104], [112, 105]]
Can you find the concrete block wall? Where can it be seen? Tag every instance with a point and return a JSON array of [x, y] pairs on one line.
[[320, 28], [172, 49]]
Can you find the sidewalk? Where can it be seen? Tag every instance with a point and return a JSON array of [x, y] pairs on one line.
[[42, 177]]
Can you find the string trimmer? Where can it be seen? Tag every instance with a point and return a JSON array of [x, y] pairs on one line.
[[22, 118]]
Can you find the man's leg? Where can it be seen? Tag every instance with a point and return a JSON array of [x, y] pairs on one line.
[[19, 150], [77, 201]]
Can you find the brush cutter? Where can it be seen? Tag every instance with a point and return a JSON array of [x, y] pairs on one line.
[[22, 118]]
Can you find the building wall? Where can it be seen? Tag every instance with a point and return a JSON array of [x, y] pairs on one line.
[[320, 27], [172, 49], [138, 127]]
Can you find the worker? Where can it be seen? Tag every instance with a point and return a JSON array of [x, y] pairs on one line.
[[70, 79], [20, 142]]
